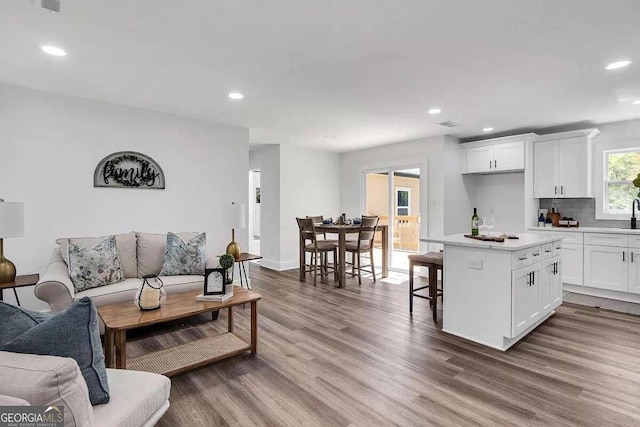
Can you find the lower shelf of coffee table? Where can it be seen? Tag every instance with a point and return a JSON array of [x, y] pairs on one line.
[[175, 360]]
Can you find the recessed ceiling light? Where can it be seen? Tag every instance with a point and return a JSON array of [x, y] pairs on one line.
[[636, 102], [618, 64], [487, 129], [53, 50], [235, 95], [435, 111], [330, 137]]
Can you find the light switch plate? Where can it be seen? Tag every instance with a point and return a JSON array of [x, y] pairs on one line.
[[475, 264]]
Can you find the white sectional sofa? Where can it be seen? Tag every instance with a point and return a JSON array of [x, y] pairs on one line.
[[140, 254]]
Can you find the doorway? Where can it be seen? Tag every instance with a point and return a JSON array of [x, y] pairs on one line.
[[393, 194], [254, 212]]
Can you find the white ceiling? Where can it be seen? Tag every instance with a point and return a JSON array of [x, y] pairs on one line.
[[363, 71]]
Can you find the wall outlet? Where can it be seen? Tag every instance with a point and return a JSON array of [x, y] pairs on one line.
[[475, 264]]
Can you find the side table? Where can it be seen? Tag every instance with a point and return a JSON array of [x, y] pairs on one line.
[[19, 282], [244, 257]]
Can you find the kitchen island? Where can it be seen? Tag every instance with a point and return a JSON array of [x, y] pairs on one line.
[[496, 293]]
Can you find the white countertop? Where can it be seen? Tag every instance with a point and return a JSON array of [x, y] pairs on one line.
[[526, 240], [587, 230]]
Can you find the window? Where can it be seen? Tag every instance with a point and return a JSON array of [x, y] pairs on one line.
[[621, 167], [403, 198]]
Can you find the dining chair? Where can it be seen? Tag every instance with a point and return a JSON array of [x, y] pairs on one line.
[[318, 220], [364, 244], [319, 250]]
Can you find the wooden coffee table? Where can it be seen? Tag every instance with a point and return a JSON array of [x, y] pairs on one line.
[[118, 318]]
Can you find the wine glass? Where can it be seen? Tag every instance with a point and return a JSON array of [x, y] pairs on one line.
[[489, 223], [481, 225]]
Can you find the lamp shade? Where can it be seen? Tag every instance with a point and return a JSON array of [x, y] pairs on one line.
[[236, 216], [11, 219]]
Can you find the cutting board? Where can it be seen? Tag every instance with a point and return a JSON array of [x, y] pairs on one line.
[[555, 218], [485, 238]]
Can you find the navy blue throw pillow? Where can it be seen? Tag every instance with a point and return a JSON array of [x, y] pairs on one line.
[[71, 333]]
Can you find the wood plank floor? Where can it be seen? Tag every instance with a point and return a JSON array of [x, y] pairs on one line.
[[354, 356]]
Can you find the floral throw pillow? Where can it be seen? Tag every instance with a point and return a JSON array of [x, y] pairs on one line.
[[92, 267], [182, 258]]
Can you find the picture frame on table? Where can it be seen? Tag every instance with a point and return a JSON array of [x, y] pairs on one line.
[[214, 281]]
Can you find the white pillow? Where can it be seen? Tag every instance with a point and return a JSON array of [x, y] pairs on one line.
[[151, 248], [126, 244]]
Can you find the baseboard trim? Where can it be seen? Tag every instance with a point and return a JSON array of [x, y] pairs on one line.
[[602, 293], [278, 266]]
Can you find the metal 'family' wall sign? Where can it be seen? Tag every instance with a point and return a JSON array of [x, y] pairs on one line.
[[128, 169]]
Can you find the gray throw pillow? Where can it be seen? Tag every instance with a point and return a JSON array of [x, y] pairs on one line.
[[17, 320], [95, 266], [71, 333], [182, 258]]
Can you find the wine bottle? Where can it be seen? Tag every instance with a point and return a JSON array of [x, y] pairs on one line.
[[474, 222]]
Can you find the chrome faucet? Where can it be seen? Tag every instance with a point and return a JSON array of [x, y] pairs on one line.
[[633, 212]]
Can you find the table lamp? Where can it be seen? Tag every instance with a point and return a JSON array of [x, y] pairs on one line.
[[236, 219], [11, 225]]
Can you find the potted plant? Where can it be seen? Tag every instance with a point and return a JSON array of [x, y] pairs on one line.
[[636, 183], [227, 261]]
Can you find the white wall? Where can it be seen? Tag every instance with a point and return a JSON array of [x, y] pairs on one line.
[[51, 145], [501, 196], [295, 182], [309, 185], [267, 160]]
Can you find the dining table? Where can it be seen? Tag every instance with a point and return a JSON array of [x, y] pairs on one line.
[[342, 231]]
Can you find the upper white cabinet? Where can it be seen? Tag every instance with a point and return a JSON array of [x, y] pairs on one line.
[[493, 157], [562, 164], [479, 159]]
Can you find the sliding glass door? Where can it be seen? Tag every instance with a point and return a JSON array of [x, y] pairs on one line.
[[394, 195]]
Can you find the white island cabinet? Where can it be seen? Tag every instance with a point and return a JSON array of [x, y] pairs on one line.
[[496, 293]]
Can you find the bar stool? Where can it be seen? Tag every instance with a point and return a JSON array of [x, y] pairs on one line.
[[433, 261]]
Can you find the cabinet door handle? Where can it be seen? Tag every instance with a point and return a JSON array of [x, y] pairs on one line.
[[536, 254], [622, 256], [522, 258], [555, 189], [495, 163], [533, 277], [631, 256], [562, 189], [547, 251]]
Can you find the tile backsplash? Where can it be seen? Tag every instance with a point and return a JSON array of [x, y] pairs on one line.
[[584, 210]]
